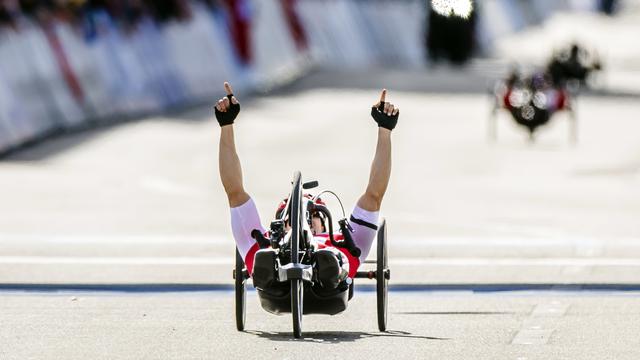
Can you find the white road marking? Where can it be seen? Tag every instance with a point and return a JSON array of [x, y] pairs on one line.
[[585, 246], [228, 260], [522, 261], [532, 324], [532, 337], [554, 309], [128, 239], [532, 332], [107, 260]]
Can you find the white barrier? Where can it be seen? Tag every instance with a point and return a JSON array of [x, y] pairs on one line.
[[499, 17], [60, 79], [347, 33]]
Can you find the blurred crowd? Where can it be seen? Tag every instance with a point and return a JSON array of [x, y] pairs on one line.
[[126, 13], [71, 63]]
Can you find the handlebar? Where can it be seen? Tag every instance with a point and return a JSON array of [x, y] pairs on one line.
[[277, 228]]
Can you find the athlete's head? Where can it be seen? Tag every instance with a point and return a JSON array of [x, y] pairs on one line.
[[318, 223]]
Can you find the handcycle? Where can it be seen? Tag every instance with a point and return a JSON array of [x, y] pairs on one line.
[[525, 97], [526, 102], [296, 294]]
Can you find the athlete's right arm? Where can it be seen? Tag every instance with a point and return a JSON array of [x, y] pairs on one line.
[[226, 111]]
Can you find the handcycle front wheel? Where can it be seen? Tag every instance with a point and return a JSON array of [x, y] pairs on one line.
[[297, 287], [241, 292], [297, 291], [382, 276]]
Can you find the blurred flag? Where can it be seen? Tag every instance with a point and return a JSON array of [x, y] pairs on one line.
[[240, 28], [295, 25], [62, 61]]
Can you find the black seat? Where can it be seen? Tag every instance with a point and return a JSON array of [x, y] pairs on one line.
[[277, 299]]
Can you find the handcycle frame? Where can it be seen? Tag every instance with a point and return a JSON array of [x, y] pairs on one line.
[[299, 274]]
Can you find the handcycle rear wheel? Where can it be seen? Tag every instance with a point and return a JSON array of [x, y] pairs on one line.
[[382, 276], [241, 292]]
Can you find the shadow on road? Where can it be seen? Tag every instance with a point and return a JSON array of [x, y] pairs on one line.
[[454, 313], [58, 141], [445, 79], [418, 288], [333, 337]]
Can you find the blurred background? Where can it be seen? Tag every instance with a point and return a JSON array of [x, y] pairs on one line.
[[516, 159], [515, 181], [72, 64]]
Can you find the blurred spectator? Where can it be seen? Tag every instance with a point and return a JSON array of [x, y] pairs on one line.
[[7, 14], [125, 13], [573, 64], [608, 6], [451, 30], [167, 10]]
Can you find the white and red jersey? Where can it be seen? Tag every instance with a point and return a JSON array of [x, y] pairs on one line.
[[245, 219]]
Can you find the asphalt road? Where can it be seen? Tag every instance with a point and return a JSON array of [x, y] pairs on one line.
[[138, 208], [431, 325], [142, 203]]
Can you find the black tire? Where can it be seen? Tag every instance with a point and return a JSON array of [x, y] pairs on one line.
[[297, 291], [241, 293], [382, 283], [297, 287]]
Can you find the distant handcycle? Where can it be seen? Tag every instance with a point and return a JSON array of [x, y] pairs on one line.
[[531, 102], [296, 293], [534, 99]]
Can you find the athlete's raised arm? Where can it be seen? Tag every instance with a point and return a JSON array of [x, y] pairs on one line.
[[226, 111], [386, 115]]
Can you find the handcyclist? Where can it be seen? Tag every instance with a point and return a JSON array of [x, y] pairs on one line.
[[332, 265]]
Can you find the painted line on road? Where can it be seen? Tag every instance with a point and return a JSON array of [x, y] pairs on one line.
[[106, 260], [512, 261], [228, 260], [532, 331], [532, 337], [413, 242], [116, 239], [465, 289], [552, 309]]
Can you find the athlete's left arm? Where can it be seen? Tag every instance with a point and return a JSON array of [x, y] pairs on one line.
[[386, 115]]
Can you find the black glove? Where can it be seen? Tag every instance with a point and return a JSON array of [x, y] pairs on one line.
[[262, 241], [227, 118], [348, 243], [384, 120]]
